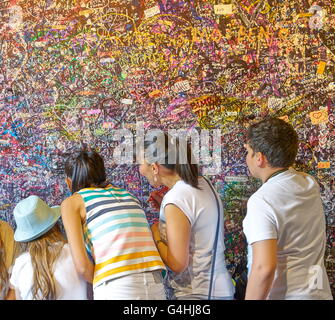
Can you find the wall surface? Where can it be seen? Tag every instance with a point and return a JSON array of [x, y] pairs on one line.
[[73, 71]]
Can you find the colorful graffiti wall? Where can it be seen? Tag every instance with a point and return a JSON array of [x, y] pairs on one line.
[[72, 71]]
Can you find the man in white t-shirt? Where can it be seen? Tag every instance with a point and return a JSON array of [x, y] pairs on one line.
[[285, 223]]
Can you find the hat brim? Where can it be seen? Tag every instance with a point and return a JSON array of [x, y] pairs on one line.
[[21, 236]]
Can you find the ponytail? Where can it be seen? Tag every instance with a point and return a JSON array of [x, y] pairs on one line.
[[182, 164], [86, 169], [189, 171]]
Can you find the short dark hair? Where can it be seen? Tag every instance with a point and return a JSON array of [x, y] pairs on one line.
[[86, 169], [276, 139]]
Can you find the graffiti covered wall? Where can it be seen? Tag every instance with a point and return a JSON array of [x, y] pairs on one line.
[[72, 71]]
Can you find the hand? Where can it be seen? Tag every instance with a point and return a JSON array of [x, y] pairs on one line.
[[155, 200], [156, 197]]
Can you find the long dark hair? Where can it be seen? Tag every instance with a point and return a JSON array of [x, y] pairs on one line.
[[86, 169], [189, 171]]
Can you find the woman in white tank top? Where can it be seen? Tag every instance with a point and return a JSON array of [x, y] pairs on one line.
[[188, 218]]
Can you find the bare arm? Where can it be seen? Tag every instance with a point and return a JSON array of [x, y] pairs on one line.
[[71, 208], [175, 253], [264, 263]]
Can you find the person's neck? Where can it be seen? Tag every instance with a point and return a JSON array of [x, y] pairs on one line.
[[170, 181], [271, 172]]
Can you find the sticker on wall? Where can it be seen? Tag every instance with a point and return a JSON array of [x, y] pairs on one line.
[[324, 165], [223, 9], [127, 101], [151, 12], [108, 125], [181, 86], [321, 67], [93, 111], [15, 18], [236, 179], [86, 13], [320, 116], [316, 21]]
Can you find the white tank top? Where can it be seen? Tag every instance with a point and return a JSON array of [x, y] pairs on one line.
[[200, 208], [69, 286]]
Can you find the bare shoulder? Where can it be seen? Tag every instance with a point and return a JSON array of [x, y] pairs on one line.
[[76, 204], [73, 202]]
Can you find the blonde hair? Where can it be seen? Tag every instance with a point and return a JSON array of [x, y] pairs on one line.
[[3, 268], [44, 252]]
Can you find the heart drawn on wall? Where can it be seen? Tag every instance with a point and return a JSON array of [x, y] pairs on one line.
[[319, 116]]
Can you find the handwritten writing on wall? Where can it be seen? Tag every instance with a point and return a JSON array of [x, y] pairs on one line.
[[71, 71]]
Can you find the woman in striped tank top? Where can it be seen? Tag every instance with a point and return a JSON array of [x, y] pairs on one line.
[[109, 236]]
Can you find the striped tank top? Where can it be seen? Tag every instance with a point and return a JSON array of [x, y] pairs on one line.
[[117, 234]]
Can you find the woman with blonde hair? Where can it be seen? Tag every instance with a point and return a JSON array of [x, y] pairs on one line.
[[7, 253], [45, 270]]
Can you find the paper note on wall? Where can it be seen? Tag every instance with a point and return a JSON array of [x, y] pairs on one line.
[[223, 9], [151, 12], [127, 101], [320, 116], [181, 86], [86, 12], [321, 67], [324, 165], [94, 111], [236, 178]]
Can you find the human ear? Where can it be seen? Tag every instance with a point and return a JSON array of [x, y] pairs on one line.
[[154, 168], [261, 160]]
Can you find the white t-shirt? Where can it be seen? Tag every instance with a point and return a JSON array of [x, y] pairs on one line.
[[68, 284], [288, 207], [200, 208]]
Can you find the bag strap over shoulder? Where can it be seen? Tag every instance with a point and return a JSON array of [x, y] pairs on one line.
[[215, 241]]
